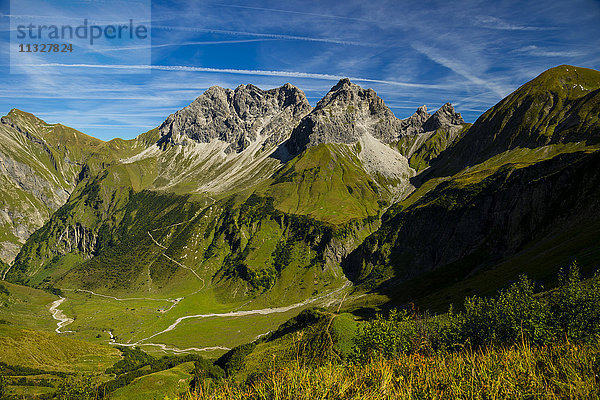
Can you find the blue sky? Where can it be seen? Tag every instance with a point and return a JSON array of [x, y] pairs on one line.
[[412, 53]]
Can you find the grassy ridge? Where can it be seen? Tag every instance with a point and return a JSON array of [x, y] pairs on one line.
[[50, 351], [157, 385]]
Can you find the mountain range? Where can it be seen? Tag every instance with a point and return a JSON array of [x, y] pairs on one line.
[[251, 194]]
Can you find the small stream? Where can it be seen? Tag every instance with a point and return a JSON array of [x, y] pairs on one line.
[[60, 316]]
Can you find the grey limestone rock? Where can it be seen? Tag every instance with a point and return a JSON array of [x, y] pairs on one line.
[[348, 112], [345, 114], [238, 117], [444, 117]]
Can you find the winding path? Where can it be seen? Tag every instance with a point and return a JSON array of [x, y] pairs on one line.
[[125, 299], [177, 262], [64, 320], [263, 311]]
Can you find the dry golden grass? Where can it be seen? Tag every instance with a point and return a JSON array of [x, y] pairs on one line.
[[564, 371]]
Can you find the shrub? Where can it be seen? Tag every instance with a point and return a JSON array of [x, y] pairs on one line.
[[575, 306], [513, 314], [387, 337], [76, 388], [517, 314], [233, 361], [133, 358]]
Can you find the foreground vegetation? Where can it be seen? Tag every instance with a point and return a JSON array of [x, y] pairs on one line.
[[520, 344], [517, 372]]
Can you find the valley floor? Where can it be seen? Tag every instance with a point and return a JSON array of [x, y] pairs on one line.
[[168, 334]]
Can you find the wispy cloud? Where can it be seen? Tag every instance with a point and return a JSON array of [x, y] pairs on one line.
[[460, 69], [290, 74], [318, 15], [181, 44], [266, 35], [499, 24], [542, 52]]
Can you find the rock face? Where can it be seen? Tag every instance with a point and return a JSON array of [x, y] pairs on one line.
[[445, 116], [345, 114], [414, 124], [36, 177], [479, 225], [349, 112], [238, 117]]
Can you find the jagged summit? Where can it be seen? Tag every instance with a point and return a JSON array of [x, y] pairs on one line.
[[414, 124], [422, 121], [238, 117], [444, 116], [346, 113], [347, 93]]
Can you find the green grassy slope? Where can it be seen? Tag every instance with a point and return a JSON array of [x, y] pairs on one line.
[[157, 386], [53, 352], [42, 164], [26, 307], [561, 105], [328, 183], [311, 338]]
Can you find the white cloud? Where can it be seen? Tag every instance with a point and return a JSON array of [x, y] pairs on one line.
[[500, 24], [542, 52], [290, 74]]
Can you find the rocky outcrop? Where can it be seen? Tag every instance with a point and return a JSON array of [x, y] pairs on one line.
[[238, 117], [349, 112], [345, 114], [445, 116], [77, 238], [414, 124], [32, 186]]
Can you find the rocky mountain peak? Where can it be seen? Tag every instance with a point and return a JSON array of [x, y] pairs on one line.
[[414, 124], [422, 121], [346, 113], [22, 121], [238, 117], [444, 116], [346, 93]]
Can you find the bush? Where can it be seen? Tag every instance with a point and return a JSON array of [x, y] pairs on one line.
[[387, 337], [575, 306], [76, 388], [513, 314], [518, 314], [233, 361], [133, 358]]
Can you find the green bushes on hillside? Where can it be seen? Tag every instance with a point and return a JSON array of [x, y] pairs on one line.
[[133, 358], [571, 312], [136, 363]]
